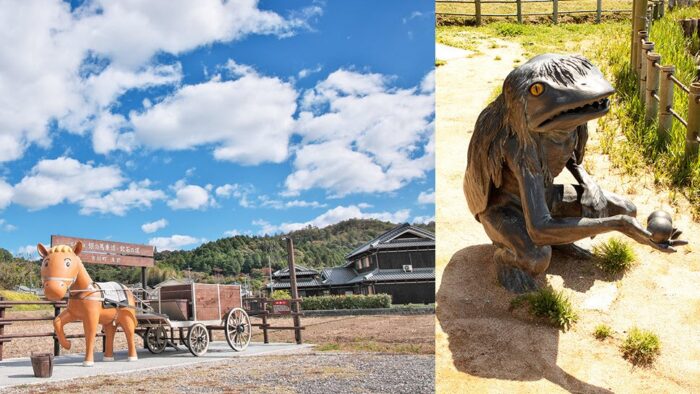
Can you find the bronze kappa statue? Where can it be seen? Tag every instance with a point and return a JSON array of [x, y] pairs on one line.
[[533, 130]]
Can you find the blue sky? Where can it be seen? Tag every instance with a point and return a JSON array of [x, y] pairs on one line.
[[178, 122]]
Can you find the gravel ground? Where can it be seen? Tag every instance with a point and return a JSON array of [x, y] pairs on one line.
[[326, 372]]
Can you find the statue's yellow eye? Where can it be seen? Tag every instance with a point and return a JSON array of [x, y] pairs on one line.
[[536, 89]]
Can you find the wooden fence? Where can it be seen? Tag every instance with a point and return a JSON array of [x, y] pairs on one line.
[[657, 83], [7, 321], [519, 14]]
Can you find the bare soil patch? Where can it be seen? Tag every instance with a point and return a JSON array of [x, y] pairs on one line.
[[393, 334]]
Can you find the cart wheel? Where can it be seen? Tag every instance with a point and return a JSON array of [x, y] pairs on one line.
[[156, 339], [197, 339], [237, 329]]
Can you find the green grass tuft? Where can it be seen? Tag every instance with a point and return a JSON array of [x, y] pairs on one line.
[[602, 331], [614, 256], [551, 304], [641, 347]]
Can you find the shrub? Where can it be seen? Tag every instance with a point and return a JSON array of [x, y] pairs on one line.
[[614, 256], [281, 295], [346, 302], [641, 347], [602, 331], [550, 304], [9, 295]]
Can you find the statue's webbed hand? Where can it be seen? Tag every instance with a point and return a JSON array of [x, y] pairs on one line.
[[593, 202], [634, 230]]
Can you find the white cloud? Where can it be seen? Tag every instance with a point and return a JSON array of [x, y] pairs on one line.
[[426, 197], [72, 66], [152, 227], [247, 120], [279, 204], [7, 227], [118, 202], [241, 192], [427, 85], [64, 179], [27, 251], [423, 219], [332, 216], [190, 197], [174, 242], [304, 204], [232, 233], [360, 135], [305, 72], [5, 194], [414, 14], [266, 227]]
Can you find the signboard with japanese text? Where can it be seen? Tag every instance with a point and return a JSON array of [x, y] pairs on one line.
[[109, 252]]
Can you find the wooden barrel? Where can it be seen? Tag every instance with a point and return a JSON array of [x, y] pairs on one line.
[[42, 363]]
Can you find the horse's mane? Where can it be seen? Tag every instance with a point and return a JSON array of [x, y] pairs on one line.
[[60, 249]]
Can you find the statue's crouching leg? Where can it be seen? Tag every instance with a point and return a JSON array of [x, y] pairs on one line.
[[518, 259]]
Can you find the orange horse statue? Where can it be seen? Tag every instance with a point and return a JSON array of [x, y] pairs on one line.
[[63, 275]]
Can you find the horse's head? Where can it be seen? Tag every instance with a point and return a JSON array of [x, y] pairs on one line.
[[59, 269]]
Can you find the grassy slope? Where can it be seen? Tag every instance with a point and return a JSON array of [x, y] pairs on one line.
[[631, 146], [15, 296]]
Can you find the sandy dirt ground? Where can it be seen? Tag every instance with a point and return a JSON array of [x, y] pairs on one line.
[[480, 344], [396, 334]]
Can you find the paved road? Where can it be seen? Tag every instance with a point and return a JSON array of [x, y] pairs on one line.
[[19, 371]]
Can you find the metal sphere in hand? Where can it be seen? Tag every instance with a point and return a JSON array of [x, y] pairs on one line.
[[660, 225]]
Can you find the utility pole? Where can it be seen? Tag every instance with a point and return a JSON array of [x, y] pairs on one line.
[[293, 287]]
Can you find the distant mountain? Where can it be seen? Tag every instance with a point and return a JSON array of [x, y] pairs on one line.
[[314, 247]]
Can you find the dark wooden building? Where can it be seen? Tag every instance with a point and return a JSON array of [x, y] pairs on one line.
[[400, 262]]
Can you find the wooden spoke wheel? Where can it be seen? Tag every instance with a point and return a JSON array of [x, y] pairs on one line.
[[198, 339], [237, 329], [156, 339]]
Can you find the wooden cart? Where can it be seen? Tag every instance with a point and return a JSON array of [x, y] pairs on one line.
[[188, 313]]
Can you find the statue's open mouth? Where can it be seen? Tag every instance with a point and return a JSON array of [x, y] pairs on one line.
[[596, 108]]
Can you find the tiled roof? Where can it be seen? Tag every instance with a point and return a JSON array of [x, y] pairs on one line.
[[300, 270], [389, 240], [338, 275], [399, 274], [300, 284]]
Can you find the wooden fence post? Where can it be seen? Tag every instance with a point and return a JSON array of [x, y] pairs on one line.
[[555, 11], [638, 24], [666, 102], [691, 137], [652, 87], [637, 64], [2, 327], [56, 347], [477, 11], [662, 8], [519, 10], [598, 10], [635, 37], [646, 47]]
